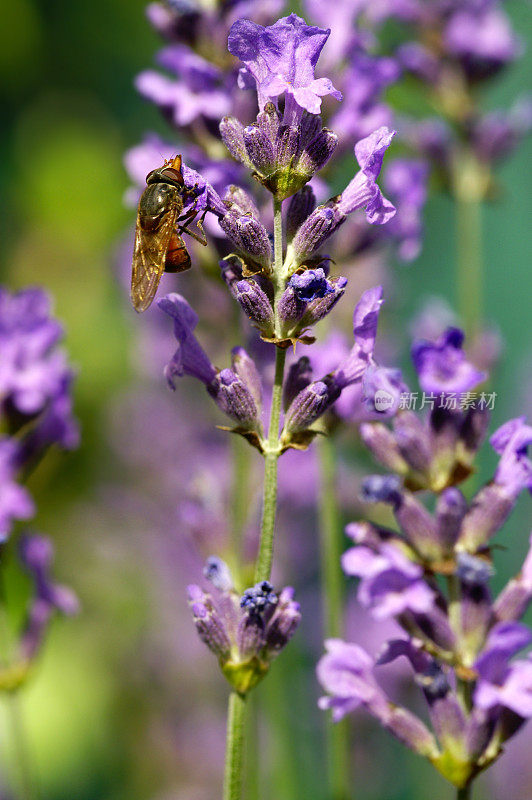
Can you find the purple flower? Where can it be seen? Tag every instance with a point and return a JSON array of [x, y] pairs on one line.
[[501, 682], [442, 365], [346, 672], [511, 442], [365, 321], [197, 94], [391, 584], [481, 35], [189, 358], [32, 370], [36, 553], [236, 391], [406, 181], [15, 500], [362, 191], [316, 397], [281, 59], [362, 110]]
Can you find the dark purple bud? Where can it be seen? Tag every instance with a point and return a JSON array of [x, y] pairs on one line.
[[475, 608], [474, 427], [287, 146], [260, 600], [319, 308], [256, 304], [249, 235], [245, 368], [311, 285], [291, 307], [310, 127], [450, 511], [283, 624], [260, 149], [232, 133], [298, 377], [323, 221], [473, 571], [238, 200], [209, 624], [317, 153], [234, 398], [309, 405], [218, 573], [300, 208], [382, 489]]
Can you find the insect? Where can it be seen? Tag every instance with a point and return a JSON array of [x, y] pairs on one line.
[[159, 245]]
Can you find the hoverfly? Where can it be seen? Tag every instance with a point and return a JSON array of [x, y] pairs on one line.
[[159, 245]]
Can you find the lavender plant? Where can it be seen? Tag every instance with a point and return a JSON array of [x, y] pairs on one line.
[[431, 573], [35, 415], [284, 289], [284, 283]]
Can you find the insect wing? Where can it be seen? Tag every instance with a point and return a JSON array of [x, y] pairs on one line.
[[149, 256]]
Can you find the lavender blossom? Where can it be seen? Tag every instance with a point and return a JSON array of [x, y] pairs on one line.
[[246, 632], [281, 59]]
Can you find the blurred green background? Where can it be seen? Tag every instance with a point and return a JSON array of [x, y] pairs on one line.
[[70, 112]]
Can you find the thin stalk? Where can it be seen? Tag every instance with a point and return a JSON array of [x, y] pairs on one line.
[[27, 788], [234, 748], [332, 608], [466, 793], [468, 189], [263, 566]]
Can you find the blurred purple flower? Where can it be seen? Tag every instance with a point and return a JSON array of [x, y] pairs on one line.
[[15, 500], [442, 365]]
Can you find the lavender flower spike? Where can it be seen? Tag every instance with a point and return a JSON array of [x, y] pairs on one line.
[[281, 59]]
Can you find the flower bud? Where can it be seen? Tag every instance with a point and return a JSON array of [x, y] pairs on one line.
[[300, 208], [309, 405], [232, 133], [298, 377], [259, 149], [323, 221], [234, 398], [317, 153], [256, 304], [245, 368], [249, 235]]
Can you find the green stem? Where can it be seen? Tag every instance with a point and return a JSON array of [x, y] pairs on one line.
[[269, 507], [234, 748], [332, 605], [465, 793], [468, 188], [263, 566]]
